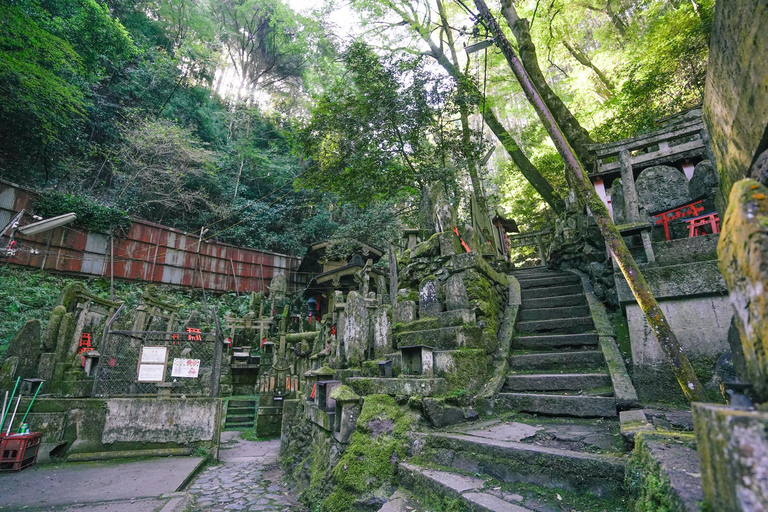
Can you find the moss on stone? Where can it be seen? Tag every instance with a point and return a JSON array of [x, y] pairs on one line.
[[344, 394], [469, 369]]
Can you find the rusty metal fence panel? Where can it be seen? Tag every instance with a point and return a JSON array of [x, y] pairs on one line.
[[117, 372]]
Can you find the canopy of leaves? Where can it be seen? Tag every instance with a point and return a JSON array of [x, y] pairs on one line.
[[372, 134]]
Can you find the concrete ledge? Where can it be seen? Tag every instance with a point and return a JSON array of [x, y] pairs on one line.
[[398, 386], [623, 389], [677, 281]]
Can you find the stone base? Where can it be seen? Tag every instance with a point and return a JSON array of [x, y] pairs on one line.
[[398, 386], [733, 450]]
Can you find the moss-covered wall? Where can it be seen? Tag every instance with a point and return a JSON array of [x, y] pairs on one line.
[[364, 474]]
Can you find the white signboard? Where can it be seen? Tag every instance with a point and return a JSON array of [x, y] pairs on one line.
[[151, 373], [185, 367], [154, 355]]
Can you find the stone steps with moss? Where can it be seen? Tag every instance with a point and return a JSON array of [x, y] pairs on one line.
[[581, 406], [555, 341], [576, 299], [449, 489], [573, 360], [553, 313], [574, 325], [556, 291], [515, 462], [556, 382], [444, 338], [549, 281]]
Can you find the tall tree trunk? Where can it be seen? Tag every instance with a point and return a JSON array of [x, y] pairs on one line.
[[689, 383], [527, 169], [583, 59], [577, 136]]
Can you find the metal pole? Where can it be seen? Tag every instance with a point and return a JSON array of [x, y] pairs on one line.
[[30, 405], [5, 410], [8, 432]]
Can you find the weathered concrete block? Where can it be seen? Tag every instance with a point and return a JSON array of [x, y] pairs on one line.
[[733, 454], [153, 420], [660, 188], [455, 294], [743, 252], [404, 311], [356, 330], [381, 327], [441, 414], [429, 302]]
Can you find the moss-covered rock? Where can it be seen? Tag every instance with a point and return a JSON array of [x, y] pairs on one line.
[[743, 259]]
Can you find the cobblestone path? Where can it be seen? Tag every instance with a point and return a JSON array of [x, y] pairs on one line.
[[248, 478]]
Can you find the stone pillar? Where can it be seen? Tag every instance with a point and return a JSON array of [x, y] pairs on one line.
[[631, 201], [429, 303]]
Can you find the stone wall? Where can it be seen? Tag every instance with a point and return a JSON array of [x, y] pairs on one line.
[[736, 95], [694, 300], [77, 426]]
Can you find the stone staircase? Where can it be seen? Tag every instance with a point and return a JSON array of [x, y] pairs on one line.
[[241, 414], [556, 365], [555, 441]]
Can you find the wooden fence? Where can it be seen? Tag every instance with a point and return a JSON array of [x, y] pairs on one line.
[[148, 252]]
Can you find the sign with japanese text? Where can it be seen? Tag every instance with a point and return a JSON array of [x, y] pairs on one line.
[[189, 368], [154, 355], [151, 373]]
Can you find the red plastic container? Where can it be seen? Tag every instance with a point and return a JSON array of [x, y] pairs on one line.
[[18, 451]]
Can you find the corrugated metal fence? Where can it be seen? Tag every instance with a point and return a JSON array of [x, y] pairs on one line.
[[149, 252]]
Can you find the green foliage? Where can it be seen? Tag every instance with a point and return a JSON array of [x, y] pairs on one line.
[[90, 214], [367, 137], [40, 98]]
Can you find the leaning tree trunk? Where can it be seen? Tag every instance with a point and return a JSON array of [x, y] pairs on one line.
[[691, 387], [574, 133]]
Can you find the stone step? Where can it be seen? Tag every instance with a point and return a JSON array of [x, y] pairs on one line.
[[552, 313], [239, 426], [583, 406], [444, 338], [454, 486], [554, 341], [510, 461], [556, 382], [456, 317], [561, 325], [557, 280], [554, 302], [553, 291], [241, 410], [240, 419], [574, 360], [242, 403]]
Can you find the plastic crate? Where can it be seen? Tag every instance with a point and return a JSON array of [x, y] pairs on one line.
[[18, 451]]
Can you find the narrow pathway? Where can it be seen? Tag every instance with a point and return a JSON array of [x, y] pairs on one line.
[[248, 478]]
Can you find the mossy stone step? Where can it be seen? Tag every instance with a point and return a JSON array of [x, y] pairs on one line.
[[571, 325], [467, 489], [241, 403], [240, 419], [582, 406], [556, 382], [553, 313], [416, 325], [241, 410], [558, 280], [444, 338], [555, 341], [510, 461], [573, 360], [577, 299], [552, 291], [240, 426]]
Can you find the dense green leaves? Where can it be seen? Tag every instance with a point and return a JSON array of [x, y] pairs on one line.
[[373, 134], [90, 214]]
